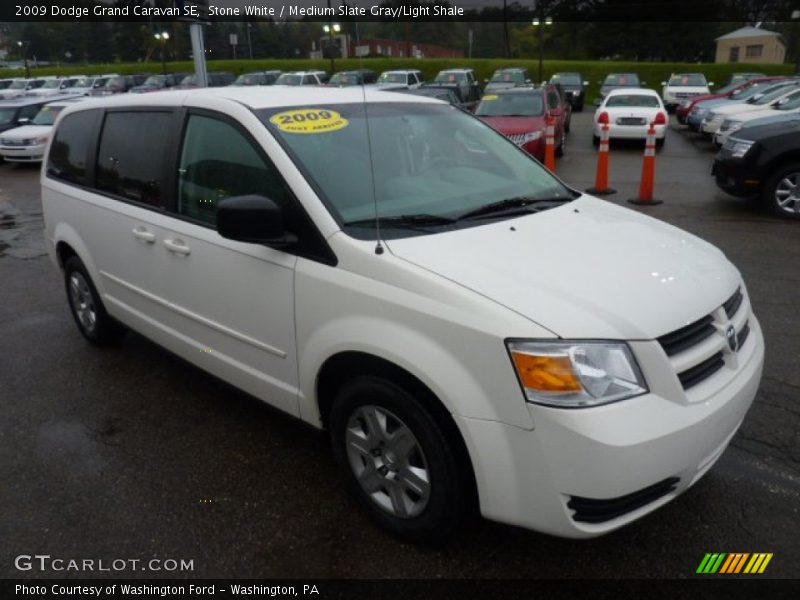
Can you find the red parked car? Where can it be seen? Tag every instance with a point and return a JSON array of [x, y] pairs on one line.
[[519, 114], [729, 91]]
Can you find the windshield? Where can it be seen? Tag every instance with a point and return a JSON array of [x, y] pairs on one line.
[[508, 77], [248, 79], [688, 80], [155, 81], [18, 85], [289, 79], [622, 79], [446, 77], [728, 88], [36, 83], [633, 100], [84, 82], [345, 79], [115, 82], [790, 102], [52, 84], [511, 105], [428, 160], [772, 94], [47, 115], [567, 79], [392, 78], [7, 115], [5, 84]]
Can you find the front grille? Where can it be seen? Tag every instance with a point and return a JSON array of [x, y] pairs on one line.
[[688, 336], [741, 337], [701, 372], [591, 510], [733, 303], [697, 351]]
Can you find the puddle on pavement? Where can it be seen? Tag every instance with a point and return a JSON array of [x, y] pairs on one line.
[[21, 234]]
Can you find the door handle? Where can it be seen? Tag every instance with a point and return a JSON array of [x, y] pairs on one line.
[[140, 233], [177, 246]]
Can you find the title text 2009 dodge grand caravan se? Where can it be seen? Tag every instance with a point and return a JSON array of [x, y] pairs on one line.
[[492, 335]]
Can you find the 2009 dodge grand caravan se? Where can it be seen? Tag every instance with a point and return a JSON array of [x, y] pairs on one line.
[[464, 325]]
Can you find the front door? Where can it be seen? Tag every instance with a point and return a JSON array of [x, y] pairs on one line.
[[234, 301]]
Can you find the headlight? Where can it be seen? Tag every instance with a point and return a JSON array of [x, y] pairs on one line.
[[731, 126], [41, 140], [576, 374], [520, 139], [738, 148]]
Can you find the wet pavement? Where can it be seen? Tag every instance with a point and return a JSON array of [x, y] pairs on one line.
[[131, 453]]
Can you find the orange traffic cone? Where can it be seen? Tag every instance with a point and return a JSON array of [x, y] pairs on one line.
[[648, 171], [601, 187], [550, 144]]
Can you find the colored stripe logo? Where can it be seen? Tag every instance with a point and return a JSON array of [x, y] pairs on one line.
[[733, 563]]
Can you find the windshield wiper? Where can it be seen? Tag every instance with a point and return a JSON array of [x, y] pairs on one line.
[[416, 219], [526, 203]]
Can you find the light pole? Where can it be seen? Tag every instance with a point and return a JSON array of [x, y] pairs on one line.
[[795, 16], [162, 38], [330, 28], [22, 45], [541, 22]]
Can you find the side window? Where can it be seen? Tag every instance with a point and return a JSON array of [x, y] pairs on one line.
[[308, 80], [131, 155], [218, 162], [28, 112], [67, 158]]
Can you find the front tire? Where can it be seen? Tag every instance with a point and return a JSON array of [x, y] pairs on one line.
[[87, 309], [397, 460], [781, 192]]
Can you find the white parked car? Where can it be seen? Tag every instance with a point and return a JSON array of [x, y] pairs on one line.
[[786, 106], [770, 97], [571, 395], [52, 86], [401, 79], [28, 142], [683, 86], [628, 112], [16, 89], [295, 78]]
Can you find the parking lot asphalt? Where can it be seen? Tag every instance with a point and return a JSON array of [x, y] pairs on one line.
[[131, 453]]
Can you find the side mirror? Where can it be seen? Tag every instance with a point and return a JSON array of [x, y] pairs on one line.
[[23, 121], [254, 219]]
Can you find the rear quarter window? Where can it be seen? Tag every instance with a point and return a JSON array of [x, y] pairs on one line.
[[67, 158]]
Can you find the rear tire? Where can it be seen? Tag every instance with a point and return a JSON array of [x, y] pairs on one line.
[[397, 460], [781, 192], [87, 309]]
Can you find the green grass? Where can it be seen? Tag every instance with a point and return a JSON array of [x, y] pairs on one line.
[[593, 71]]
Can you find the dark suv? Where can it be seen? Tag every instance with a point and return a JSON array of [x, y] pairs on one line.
[[119, 84], [763, 161], [574, 87]]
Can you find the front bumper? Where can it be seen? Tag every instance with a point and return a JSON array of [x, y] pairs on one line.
[[734, 177], [612, 452], [23, 153]]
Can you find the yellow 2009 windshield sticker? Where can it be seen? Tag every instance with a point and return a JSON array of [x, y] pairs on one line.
[[309, 120], [489, 97]]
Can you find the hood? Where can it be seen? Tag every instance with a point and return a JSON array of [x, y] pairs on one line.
[[514, 125], [704, 97], [27, 131], [587, 269]]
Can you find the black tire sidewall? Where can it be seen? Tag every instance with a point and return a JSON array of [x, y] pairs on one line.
[[768, 193], [448, 499], [106, 330]]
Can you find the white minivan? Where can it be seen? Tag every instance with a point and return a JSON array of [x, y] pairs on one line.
[[471, 331]]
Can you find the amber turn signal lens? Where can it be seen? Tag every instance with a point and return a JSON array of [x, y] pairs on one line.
[[551, 374]]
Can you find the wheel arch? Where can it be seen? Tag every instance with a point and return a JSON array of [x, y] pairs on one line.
[[344, 366]]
